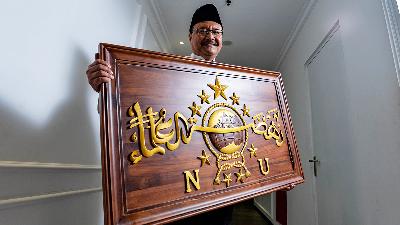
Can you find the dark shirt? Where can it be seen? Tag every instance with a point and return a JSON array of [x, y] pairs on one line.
[[222, 216]]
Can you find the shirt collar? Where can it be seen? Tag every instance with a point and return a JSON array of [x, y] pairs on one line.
[[194, 56]]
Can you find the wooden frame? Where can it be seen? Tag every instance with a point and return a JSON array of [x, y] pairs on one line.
[[147, 185]]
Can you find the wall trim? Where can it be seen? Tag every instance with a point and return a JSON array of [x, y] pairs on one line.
[[305, 12], [7, 203], [40, 165], [141, 29], [136, 27], [324, 41], [392, 18]]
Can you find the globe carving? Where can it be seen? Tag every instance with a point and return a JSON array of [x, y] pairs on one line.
[[227, 143]]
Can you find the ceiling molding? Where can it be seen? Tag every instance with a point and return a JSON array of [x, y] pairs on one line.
[[305, 12], [153, 13]]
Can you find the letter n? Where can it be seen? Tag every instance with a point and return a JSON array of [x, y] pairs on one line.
[[190, 179]]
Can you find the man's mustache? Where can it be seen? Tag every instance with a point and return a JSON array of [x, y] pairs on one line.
[[207, 42]]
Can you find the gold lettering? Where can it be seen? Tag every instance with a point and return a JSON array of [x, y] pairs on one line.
[[173, 146], [156, 123], [260, 128], [273, 132], [140, 123], [223, 130], [260, 161], [135, 157], [187, 136], [270, 131], [190, 179], [156, 136]]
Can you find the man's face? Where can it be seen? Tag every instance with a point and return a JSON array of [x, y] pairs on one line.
[[206, 45]]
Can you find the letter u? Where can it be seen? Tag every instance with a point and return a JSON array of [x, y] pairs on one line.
[[260, 161]]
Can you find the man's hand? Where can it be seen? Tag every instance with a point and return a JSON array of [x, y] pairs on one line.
[[99, 72]]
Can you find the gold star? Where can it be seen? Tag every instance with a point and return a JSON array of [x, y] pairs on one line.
[[235, 99], [204, 158], [253, 151], [240, 176], [227, 179], [195, 109], [218, 89], [192, 120], [204, 97], [246, 111]]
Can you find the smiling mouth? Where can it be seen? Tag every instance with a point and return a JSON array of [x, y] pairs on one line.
[[210, 44]]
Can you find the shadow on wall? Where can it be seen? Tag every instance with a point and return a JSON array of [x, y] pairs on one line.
[[68, 137]]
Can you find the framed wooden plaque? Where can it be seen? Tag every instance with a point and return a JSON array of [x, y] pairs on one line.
[[182, 136]]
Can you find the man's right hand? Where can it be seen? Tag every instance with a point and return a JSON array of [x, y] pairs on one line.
[[99, 72]]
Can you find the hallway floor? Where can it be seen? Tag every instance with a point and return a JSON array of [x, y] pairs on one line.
[[243, 213]]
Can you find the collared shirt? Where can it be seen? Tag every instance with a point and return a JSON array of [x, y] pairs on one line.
[[194, 56]]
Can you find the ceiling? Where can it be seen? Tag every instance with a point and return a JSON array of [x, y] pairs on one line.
[[258, 29]]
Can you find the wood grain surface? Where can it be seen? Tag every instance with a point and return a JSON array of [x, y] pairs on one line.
[[153, 191]]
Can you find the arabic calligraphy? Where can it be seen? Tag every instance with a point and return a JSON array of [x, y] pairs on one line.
[[269, 130], [156, 124], [224, 129]]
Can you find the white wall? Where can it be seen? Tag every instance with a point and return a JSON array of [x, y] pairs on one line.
[[374, 110], [48, 111]]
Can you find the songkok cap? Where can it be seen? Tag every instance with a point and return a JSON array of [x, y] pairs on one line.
[[207, 12]]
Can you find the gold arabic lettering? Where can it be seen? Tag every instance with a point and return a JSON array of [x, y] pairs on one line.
[[158, 126]]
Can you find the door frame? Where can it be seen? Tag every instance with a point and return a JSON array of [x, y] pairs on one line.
[[329, 35], [392, 18]]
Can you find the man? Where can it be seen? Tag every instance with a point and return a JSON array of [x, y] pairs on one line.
[[205, 33], [205, 36]]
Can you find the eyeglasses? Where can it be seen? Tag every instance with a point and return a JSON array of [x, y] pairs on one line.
[[204, 32]]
